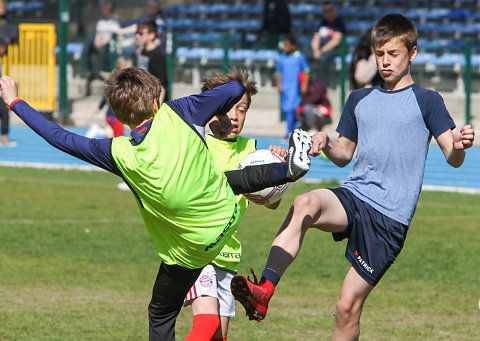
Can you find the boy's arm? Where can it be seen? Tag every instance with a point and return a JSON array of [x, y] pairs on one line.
[[94, 151], [340, 152], [454, 145], [199, 109]]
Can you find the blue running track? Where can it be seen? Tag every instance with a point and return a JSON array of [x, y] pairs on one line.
[[34, 151]]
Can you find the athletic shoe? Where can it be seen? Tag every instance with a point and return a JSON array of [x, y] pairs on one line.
[[252, 296], [298, 160], [6, 142]]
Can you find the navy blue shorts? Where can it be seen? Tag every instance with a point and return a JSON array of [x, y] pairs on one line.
[[374, 240]]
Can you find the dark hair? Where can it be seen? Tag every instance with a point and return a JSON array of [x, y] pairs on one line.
[[131, 93], [240, 75], [291, 39], [363, 50], [110, 3], [395, 26], [149, 24]]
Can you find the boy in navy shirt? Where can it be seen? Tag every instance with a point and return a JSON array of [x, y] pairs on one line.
[[390, 128]]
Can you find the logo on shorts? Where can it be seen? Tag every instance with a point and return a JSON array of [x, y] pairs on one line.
[[363, 263], [206, 281]]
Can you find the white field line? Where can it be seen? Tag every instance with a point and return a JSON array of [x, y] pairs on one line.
[[431, 188], [40, 165], [68, 221], [463, 190]]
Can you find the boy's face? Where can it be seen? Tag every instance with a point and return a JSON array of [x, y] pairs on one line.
[[144, 37], [237, 116], [393, 61], [288, 47]]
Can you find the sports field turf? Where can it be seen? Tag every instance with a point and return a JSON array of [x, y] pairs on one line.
[[76, 263]]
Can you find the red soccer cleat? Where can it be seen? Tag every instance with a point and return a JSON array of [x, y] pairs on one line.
[[252, 296]]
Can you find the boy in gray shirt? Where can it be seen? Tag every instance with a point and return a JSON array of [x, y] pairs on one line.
[[390, 128]]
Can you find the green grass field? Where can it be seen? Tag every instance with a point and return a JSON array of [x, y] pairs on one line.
[[76, 263]]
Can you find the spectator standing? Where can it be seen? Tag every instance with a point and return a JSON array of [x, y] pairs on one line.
[[152, 58], [363, 69], [288, 70], [5, 21], [326, 42], [98, 54], [155, 13], [276, 21]]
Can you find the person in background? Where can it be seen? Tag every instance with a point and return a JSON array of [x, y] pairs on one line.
[[314, 111], [98, 52], [151, 56], [276, 21], [326, 42], [288, 69], [155, 13], [363, 69], [6, 30]]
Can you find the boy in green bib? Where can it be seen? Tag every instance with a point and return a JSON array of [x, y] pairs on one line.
[[188, 206]]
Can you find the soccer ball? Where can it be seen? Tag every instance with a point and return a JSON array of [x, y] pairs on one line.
[[268, 195]]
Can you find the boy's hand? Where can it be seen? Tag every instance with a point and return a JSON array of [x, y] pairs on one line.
[[9, 89], [95, 111], [279, 150], [220, 126], [463, 139], [319, 141]]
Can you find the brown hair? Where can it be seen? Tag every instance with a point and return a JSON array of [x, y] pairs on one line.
[[240, 75], [148, 24], [394, 26], [131, 93]]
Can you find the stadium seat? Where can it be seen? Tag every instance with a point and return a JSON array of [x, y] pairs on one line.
[[266, 55], [424, 57], [450, 59], [242, 55]]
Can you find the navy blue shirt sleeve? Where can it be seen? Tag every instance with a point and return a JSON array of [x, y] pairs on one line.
[[199, 109], [94, 151], [435, 113]]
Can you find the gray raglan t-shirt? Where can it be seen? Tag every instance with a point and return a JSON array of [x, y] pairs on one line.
[[393, 130]]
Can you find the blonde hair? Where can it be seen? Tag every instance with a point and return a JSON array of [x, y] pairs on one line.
[[240, 75], [131, 92]]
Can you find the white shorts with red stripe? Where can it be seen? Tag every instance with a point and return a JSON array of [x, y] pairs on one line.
[[214, 282]]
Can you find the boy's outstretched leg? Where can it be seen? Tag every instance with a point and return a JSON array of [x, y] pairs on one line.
[[321, 209], [254, 178]]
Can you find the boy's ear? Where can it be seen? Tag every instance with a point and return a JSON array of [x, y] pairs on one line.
[[155, 105], [413, 54]]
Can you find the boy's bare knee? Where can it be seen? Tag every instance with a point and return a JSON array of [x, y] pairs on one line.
[[306, 205], [346, 312]]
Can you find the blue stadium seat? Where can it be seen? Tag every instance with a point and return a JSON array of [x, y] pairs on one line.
[[424, 58], [459, 14], [450, 59], [437, 13], [417, 13], [251, 25], [241, 54], [266, 55], [358, 26], [476, 60], [74, 48]]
